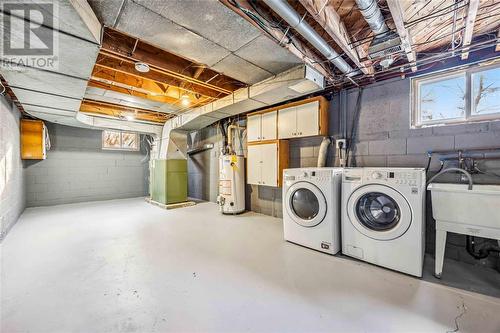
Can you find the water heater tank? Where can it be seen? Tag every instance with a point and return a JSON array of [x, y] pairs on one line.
[[231, 197]]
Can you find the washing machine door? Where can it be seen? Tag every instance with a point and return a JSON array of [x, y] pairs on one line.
[[379, 212], [305, 204]]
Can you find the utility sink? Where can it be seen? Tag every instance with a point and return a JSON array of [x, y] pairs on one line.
[[457, 209]]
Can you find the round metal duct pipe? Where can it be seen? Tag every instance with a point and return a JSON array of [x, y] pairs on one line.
[[283, 9], [373, 16]]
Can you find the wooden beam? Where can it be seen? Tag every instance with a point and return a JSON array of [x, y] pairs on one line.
[[404, 34], [142, 87], [469, 26], [135, 50], [120, 111], [132, 91], [329, 19], [124, 65]]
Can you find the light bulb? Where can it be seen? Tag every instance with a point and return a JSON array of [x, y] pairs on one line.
[[185, 100]]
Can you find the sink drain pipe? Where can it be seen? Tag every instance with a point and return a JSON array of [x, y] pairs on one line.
[[482, 252]]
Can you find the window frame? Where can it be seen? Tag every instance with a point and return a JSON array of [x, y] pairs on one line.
[[121, 148], [416, 82]]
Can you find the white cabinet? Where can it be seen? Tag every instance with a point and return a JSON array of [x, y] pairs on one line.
[[307, 119], [254, 162], [269, 164], [262, 126], [269, 122], [265, 163], [287, 123], [253, 128]]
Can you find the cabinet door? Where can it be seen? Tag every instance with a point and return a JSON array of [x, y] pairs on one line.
[[308, 119], [254, 165], [268, 127], [269, 164], [287, 123], [253, 128]]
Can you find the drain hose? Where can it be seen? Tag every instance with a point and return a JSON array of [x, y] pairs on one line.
[[469, 177]]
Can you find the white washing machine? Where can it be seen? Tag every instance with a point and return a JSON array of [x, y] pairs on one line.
[[311, 207], [383, 217]]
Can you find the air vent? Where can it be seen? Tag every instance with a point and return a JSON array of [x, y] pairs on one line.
[[385, 46]]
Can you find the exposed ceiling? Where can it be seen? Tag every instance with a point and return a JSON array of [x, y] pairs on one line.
[[204, 31], [205, 53], [171, 84], [425, 27]]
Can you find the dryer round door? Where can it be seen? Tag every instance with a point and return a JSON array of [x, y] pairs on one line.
[[379, 212], [305, 204]]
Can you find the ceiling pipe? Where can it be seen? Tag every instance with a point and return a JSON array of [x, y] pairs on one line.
[[283, 9], [373, 16]]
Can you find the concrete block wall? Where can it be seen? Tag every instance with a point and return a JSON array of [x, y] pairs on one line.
[[77, 169], [12, 190]]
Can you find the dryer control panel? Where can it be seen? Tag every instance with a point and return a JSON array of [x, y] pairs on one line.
[[309, 174], [394, 176]]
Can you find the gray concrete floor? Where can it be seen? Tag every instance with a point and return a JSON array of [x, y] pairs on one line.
[[127, 266]]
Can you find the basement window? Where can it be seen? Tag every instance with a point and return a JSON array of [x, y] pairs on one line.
[[120, 140], [464, 96]]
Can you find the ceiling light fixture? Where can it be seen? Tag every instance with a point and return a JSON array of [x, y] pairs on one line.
[[185, 101], [141, 67], [130, 116]]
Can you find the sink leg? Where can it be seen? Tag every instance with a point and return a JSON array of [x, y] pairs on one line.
[[440, 247]]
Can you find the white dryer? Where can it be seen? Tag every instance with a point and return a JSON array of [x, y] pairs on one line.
[[311, 207], [383, 217]]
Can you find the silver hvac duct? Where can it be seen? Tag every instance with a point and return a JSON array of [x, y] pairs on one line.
[[373, 16], [283, 9]]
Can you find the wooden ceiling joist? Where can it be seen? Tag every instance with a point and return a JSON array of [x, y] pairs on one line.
[[126, 66], [134, 50], [150, 89], [469, 26], [404, 34], [121, 111], [330, 21], [131, 91]]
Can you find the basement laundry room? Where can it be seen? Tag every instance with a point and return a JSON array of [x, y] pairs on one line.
[[250, 166]]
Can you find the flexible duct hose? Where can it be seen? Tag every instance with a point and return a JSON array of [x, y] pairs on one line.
[[323, 151], [469, 177]]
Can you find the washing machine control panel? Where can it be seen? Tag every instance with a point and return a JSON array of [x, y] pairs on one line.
[[394, 177], [317, 175]]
